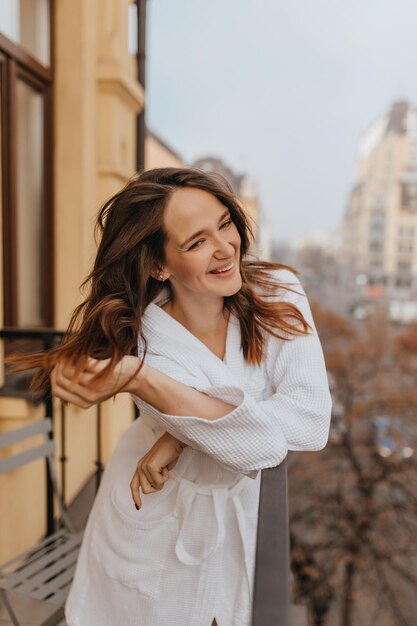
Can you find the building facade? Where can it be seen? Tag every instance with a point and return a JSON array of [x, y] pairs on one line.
[[70, 100], [379, 231], [246, 189], [159, 154]]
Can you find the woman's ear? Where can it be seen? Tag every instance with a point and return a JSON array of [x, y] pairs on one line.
[[160, 274]]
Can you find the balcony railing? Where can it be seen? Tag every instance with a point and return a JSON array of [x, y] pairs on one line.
[[45, 339]]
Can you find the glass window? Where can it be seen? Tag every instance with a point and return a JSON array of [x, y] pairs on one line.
[[27, 22], [1, 190], [133, 28], [29, 205], [404, 267], [375, 246], [409, 196]]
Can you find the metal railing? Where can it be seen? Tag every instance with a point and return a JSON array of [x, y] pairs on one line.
[[47, 338], [271, 599]]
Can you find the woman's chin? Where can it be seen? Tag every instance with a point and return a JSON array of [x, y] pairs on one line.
[[232, 287]]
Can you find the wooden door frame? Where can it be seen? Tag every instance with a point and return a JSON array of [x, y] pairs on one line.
[[17, 64]]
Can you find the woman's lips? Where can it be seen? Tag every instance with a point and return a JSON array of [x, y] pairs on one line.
[[222, 273]]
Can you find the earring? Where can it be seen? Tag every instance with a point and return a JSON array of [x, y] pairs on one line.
[[161, 276]]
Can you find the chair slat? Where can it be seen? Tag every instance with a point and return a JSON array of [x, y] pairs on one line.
[[35, 566], [48, 590], [27, 456], [20, 434], [35, 552], [50, 570], [60, 596], [45, 571]]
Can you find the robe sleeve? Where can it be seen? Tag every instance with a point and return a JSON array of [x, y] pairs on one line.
[[258, 434]]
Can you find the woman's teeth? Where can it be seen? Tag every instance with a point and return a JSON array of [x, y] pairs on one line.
[[224, 269]]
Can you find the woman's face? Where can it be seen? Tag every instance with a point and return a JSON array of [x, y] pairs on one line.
[[202, 252]]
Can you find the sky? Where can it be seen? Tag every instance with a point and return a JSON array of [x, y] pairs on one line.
[[281, 91]]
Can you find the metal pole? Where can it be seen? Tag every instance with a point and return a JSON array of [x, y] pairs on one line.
[[272, 566], [63, 458], [48, 343], [99, 463], [141, 61]]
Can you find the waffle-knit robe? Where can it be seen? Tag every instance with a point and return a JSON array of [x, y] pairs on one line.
[[188, 555]]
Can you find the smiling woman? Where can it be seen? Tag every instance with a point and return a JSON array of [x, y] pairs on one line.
[[223, 360], [203, 268]]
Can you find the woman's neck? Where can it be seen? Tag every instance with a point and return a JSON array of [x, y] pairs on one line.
[[203, 319]]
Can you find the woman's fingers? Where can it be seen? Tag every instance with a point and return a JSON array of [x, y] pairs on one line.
[[66, 377], [154, 476], [74, 394], [134, 488], [72, 399], [147, 475], [145, 484], [85, 379], [82, 392], [67, 394], [65, 372], [149, 483], [96, 365]]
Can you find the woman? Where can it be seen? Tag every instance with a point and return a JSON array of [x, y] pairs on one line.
[[224, 363]]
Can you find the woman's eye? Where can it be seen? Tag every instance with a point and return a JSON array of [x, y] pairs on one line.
[[226, 224], [197, 244]]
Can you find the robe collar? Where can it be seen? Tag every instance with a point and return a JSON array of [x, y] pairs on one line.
[[160, 329]]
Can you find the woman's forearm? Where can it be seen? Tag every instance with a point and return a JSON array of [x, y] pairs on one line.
[[172, 397]]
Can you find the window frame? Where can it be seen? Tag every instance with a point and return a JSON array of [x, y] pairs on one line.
[[17, 64]]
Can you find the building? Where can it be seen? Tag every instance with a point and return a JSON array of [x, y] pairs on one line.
[[379, 230], [246, 189], [71, 135], [159, 154]]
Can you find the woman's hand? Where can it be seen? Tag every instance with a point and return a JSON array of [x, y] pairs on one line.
[[81, 392], [152, 469]]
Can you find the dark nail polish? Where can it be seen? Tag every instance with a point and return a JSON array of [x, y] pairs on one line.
[[137, 507]]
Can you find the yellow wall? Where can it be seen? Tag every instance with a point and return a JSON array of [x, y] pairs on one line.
[[159, 155], [93, 160], [1, 252], [97, 98], [22, 492]]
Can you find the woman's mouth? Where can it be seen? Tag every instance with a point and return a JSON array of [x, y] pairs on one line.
[[226, 270]]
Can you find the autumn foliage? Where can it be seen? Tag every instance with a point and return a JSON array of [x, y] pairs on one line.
[[353, 506]]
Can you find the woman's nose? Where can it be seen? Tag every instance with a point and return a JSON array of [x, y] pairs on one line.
[[224, 248]]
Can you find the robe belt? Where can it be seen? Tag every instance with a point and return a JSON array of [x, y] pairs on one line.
[[219, 499], [220, 496]]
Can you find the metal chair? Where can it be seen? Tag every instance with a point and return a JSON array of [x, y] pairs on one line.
[[45, 571]]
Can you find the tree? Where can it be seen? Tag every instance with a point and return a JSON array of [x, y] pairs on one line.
[[353, 507]]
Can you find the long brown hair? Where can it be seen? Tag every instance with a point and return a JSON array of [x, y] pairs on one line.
[[131, 234]]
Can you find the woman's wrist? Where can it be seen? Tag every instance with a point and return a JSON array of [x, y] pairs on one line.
[[180, 444], [135, 385], [148, 384], [172, 397], [145, 386]]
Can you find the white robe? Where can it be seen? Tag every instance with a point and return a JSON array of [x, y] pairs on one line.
[[188, 555]]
